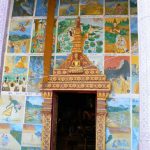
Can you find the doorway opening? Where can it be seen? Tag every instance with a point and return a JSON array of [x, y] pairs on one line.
[[76, 121]]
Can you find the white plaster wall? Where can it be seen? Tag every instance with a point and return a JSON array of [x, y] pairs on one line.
[[4, 12], [144, 53]]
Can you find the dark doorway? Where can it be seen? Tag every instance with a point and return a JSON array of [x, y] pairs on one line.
[[76, 123]]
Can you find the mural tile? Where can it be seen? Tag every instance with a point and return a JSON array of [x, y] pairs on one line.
[[10, 136], [135, 74], [135, 124], [133, 7], [19, 36], [31, 135], [69, 7], [60, 60], [118, 134], [117, 35], [38, 38], [134, 36], [117, 70], [92, 35], [35, 73], [65, 35], [97, 61], [91, 7], [33, 110], [116, 7], [15, 73], [41, 8], [23, 8], [12, 108]]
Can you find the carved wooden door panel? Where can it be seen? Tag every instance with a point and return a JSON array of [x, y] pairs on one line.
[[54, 121]]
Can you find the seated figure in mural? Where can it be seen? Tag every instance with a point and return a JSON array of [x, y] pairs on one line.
[[21, 63], [76, 65], [115, 29], [76, 61], [121, 44]]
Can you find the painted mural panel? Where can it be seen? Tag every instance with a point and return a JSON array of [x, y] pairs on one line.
[[31, 135], [10, 136], [118, 134], [135, 74], [91, 7], [57, 8], [23, 8], [65, 35], [33, 110], [34, 84], [135, 124], [134, 35], [92, 35], [69, 7], [117, 35], [30, 148], [19, 36], [97, 61], [116, 7], [41, 8], [38, 38], [36, 66], [12, 108], [15, 74], [60, 60], [35, 73], [133, 7], [117, 70]]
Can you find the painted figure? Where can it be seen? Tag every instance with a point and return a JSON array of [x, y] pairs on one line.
[[117, 35], [15, 104], [5, 139]]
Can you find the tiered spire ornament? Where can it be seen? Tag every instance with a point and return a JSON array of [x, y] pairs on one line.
[[77, 62], [77, 38]]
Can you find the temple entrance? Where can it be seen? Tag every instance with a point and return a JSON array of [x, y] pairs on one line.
[[76, 121]]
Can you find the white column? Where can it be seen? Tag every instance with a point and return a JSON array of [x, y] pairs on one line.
[[4, 11], [144, 53]]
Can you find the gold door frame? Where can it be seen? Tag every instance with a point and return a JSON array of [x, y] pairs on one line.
[[77, 73]]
